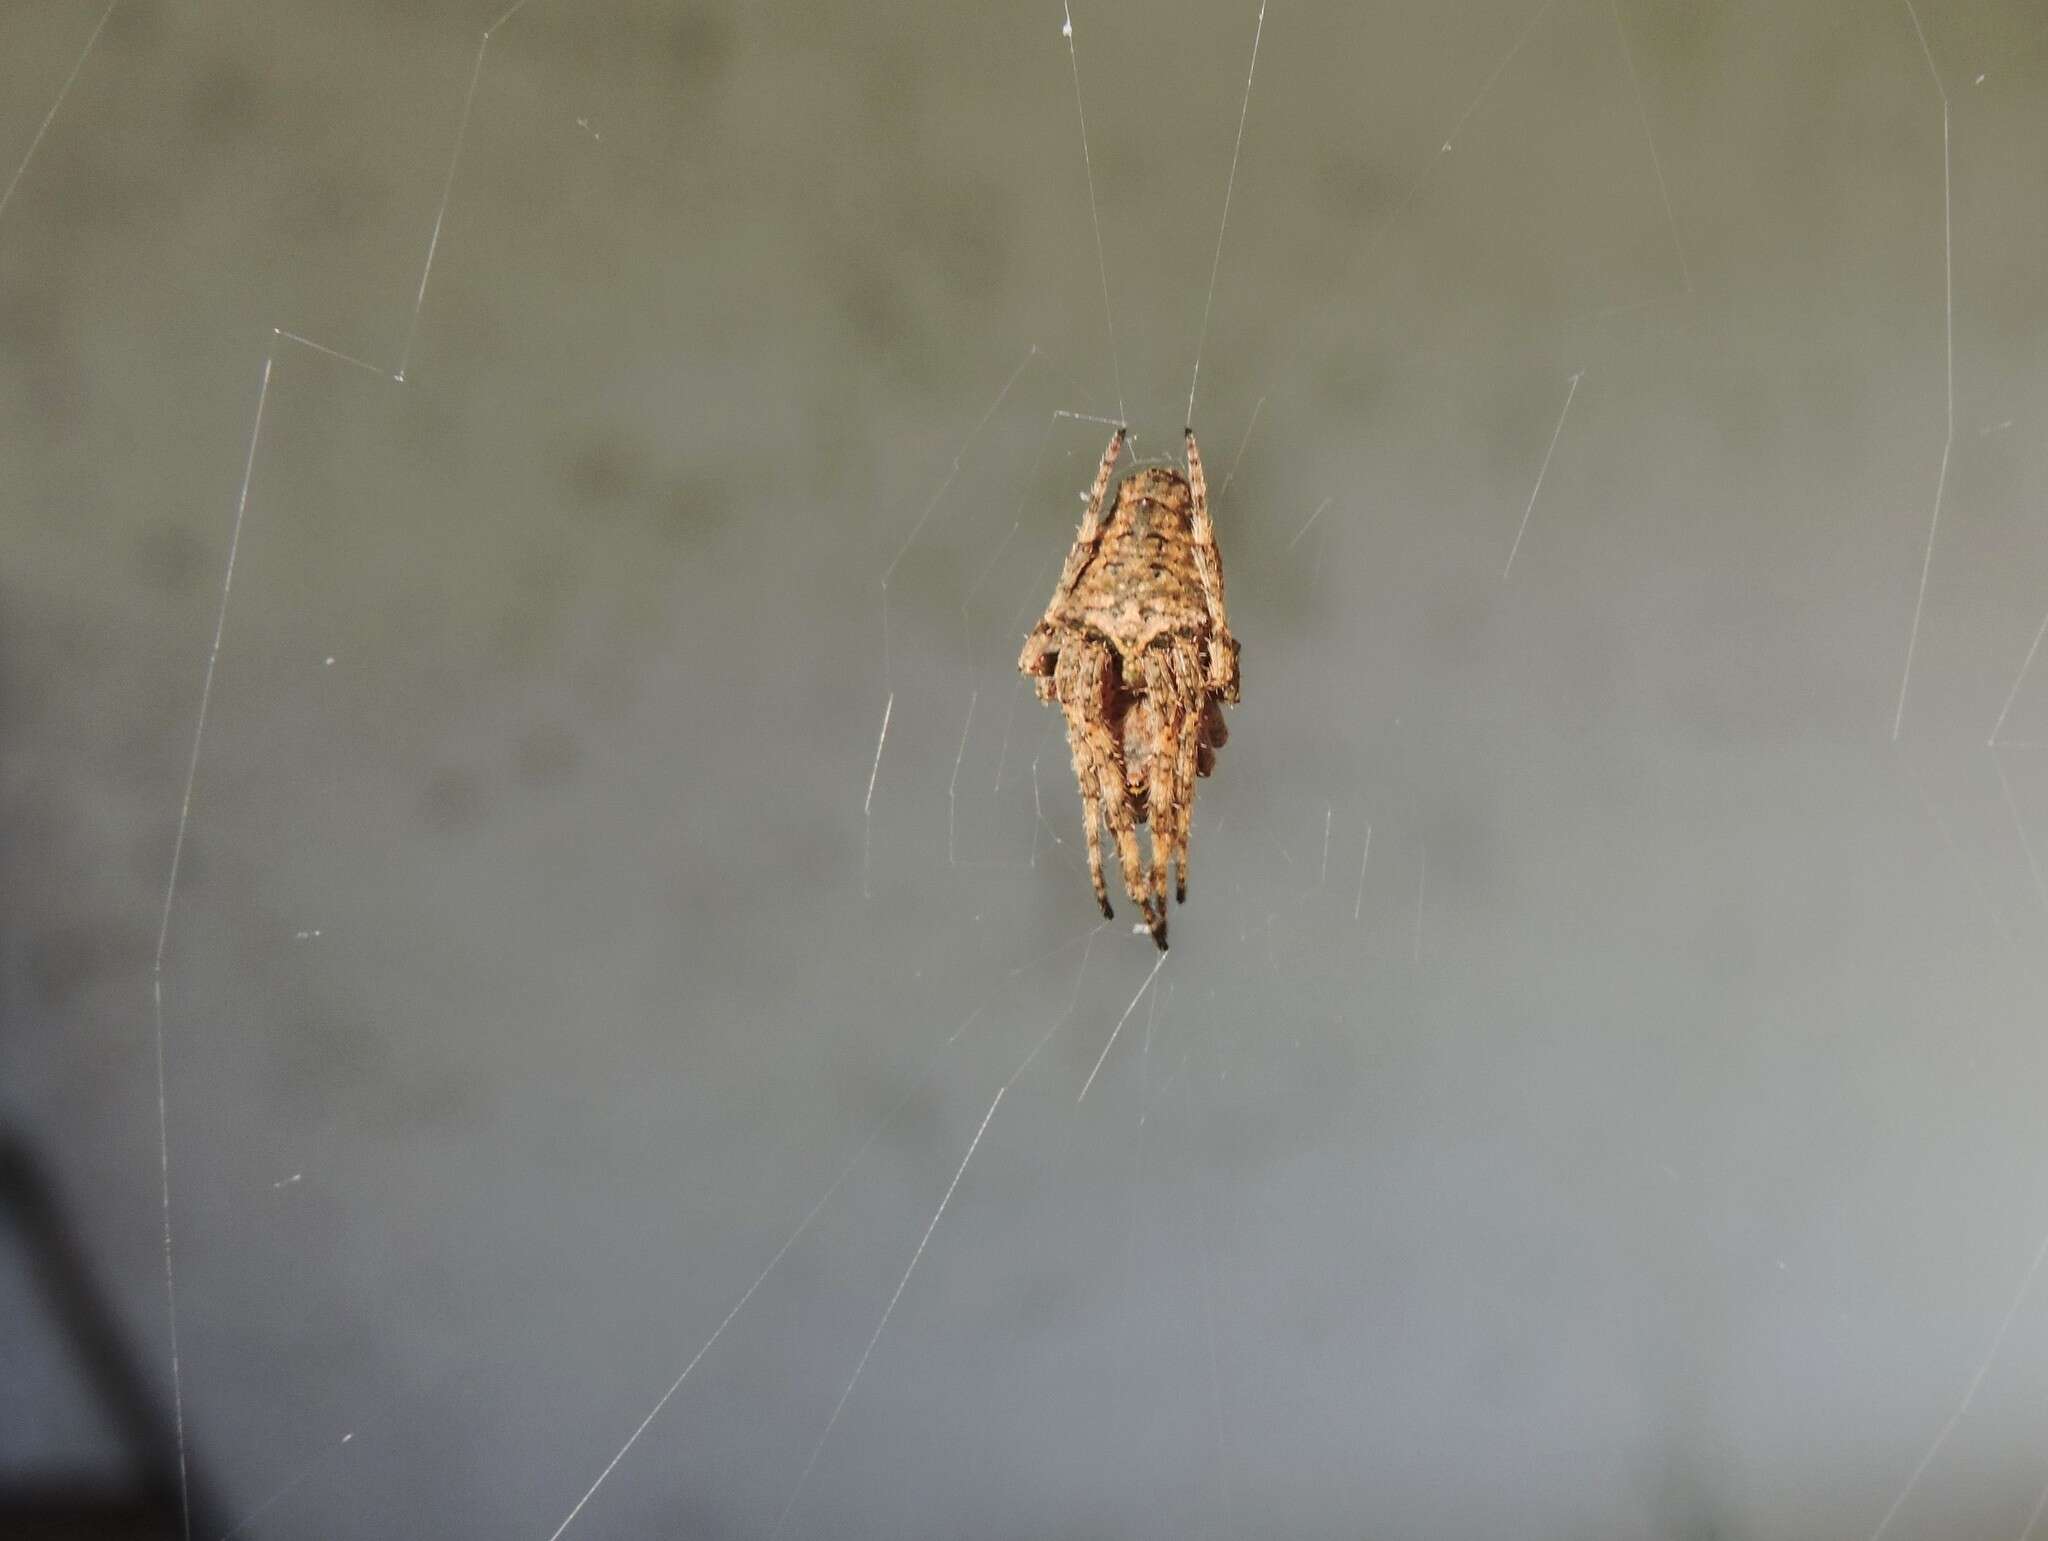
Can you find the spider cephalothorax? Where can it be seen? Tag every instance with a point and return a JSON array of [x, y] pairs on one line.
[[1137, 651]]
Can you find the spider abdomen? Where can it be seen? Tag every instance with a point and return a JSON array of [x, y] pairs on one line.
[[1143, 582]]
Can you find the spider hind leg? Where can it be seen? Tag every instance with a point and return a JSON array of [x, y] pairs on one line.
[[1091, 813], [1088, 686], [1172, 733], [1195, 752]]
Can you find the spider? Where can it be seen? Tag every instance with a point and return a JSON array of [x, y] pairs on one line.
[[1137, 651]]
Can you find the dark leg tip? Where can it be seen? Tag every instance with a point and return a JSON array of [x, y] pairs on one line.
[[1107, 912], [1180, 893]]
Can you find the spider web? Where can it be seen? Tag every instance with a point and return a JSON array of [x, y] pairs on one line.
[[554, 952]]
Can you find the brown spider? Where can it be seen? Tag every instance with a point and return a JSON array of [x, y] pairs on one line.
[[1136, 649]]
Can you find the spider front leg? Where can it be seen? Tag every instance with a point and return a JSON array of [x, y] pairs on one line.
[[1222, 672], [1043, 643], [1090, 533], [1042, 648]]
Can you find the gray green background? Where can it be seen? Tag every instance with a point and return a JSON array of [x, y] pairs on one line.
[[1646, 1142]]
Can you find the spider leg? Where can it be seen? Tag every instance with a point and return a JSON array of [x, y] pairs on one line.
[[1091, 522], [1098, 688], [1213, 736], [1091, 816], [1124, 826], [1042, 647], [1074, 700], [1184, 786], [1195, 756], [1171, 736], [1222, 672]]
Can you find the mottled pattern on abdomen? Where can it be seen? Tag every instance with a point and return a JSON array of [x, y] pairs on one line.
[[1142, 581]]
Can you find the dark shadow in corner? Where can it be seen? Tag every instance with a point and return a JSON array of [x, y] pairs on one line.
[[146, 1505]]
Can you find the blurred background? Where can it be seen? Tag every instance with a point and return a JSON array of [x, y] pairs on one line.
[[543, 1020]]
